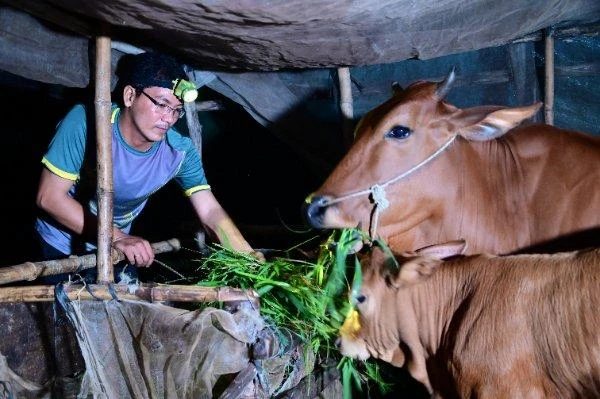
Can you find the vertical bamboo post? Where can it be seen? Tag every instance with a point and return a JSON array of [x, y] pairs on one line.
[[346, 105], [104, 160], [193, 122], [549, 80]]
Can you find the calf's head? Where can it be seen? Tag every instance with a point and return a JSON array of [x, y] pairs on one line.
[[383, 323], [401, 146]]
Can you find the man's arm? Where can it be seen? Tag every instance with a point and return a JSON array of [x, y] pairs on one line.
[[53, 197], [214, 217]]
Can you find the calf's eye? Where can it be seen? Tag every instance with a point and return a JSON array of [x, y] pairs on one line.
[[360, 298], [398, 132]]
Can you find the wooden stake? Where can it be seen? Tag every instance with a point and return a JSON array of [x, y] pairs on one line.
[[346, 104], [549, 81], [104, 160], [143, 292], [30, 271]]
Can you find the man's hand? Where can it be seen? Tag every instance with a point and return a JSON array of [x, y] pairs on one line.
[[137, 250], [259, 256]]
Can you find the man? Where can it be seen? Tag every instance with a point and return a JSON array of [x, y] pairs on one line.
[[147, 152]]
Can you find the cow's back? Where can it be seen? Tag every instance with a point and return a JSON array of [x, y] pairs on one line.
[[559, 175]]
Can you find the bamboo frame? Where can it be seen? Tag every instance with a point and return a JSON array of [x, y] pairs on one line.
[[30, 271], [105, 189], [144, 292]]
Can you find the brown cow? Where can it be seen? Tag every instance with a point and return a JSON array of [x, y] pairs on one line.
[[449, 173], [482, 326]]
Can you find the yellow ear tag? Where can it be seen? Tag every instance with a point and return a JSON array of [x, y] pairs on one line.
[[351, 326]]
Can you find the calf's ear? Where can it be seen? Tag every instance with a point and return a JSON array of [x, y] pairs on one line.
[[428, 260], [443, 251], [487, 123], [416, 270]]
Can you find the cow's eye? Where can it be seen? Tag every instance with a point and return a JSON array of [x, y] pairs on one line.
[[361, 298], [398, 132]]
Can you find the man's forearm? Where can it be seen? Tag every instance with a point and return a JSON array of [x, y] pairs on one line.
[[217, 222], [229, 235]]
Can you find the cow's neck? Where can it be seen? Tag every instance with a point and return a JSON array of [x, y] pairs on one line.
[[487, 208], [478, 197], [497, 223]]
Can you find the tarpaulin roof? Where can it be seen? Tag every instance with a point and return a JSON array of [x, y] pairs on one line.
[[271, 35]]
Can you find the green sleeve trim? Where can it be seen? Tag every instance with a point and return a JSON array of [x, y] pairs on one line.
[[190, 191], [59, 172], [113, 115]]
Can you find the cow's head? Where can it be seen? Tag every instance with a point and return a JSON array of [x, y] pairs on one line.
[[393, 139], [383, 322]]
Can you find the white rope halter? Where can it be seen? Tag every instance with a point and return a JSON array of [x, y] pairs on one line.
[[377, 191]]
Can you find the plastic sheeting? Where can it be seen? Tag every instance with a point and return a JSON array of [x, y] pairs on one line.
[[135, 349]]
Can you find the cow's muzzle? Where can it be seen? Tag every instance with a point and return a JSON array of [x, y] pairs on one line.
[[314, 211]]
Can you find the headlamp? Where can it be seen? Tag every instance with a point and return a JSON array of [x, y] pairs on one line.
[[185, 90]]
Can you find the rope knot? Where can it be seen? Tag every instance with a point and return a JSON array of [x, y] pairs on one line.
[[378, 194]]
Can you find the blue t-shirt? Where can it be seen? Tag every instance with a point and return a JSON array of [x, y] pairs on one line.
[[136, 175]]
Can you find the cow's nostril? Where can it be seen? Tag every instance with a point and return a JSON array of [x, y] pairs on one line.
[[338, 342], [314, 210]]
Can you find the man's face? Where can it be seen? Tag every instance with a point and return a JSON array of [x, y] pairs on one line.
[[152, 111]]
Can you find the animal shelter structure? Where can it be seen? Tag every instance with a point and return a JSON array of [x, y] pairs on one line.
[[304, 74]]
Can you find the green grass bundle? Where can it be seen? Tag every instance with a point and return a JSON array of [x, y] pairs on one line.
[[306, 298]]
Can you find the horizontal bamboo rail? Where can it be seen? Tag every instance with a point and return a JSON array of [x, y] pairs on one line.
[[30, 271], [145, 292]]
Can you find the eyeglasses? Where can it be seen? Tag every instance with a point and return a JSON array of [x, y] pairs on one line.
[[165, 109]]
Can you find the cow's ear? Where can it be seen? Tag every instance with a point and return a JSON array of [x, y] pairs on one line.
[[445, 250], [487, 123]]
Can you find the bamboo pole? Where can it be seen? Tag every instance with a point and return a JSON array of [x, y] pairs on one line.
[[30, 271], [209, 105], [145, 292], [104, 160], [549, 80], [193, 121], [125, 47], [346, 104]]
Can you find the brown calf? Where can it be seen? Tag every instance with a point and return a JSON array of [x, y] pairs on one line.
[[483, 326]]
